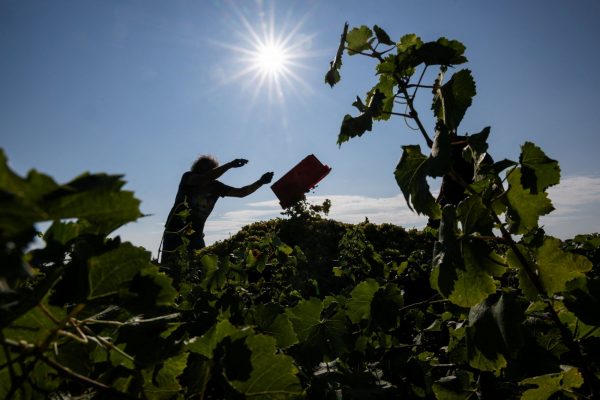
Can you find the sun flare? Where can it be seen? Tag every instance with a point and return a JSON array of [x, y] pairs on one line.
[[268, 57]]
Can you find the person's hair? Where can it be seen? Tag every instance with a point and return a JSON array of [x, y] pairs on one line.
[[204, 164]]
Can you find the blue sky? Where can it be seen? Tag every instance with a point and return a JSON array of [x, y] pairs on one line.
[[141, 88]]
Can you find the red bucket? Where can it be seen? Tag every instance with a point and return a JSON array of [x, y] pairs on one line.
[[304, 176]]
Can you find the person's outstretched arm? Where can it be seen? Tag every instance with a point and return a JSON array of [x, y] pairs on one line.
[[251, 188], [215, 173]]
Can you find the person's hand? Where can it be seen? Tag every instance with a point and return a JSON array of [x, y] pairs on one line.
[[266, 178], [239, 162]]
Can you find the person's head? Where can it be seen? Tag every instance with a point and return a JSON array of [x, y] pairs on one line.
[[204, 164]]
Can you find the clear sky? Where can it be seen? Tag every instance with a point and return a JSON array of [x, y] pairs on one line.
[[141, 88]]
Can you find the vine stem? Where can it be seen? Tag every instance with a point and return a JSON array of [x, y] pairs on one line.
[[17, 383], [409, 101]]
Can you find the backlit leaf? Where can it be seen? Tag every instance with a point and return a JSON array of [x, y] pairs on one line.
[[538, 171], [525, 208], [358, 39], [550, 384]]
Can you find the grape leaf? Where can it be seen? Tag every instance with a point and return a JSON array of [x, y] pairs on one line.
[[407, 41], [411, 174], [354, 126], [333, 74], [385, 87], [442, 52], [35, 325], [305, 316], [113, 269], [556, 267], [273, 375], [359, 39], [495, 330], [461, 268], [161, 382], [382, 36], [550, 384], [208, 342], [524, 207], [474, 216], [538, 171], [214, 273], [454, 98], [359, 306], [96, 198], [270, 320]]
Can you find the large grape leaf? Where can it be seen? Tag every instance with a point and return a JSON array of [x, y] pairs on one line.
[[411, 176], [538, 171], [359, 306], [524, 207], [454, 98], [547, 386], [273, 375], [109, 272]]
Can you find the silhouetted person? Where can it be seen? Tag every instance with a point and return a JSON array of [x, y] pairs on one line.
[[198, 192]]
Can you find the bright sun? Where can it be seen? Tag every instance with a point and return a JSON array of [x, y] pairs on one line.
[[269, 57]]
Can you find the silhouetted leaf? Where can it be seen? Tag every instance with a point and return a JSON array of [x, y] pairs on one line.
[[382, 36], [333, 74], [411, 176]]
